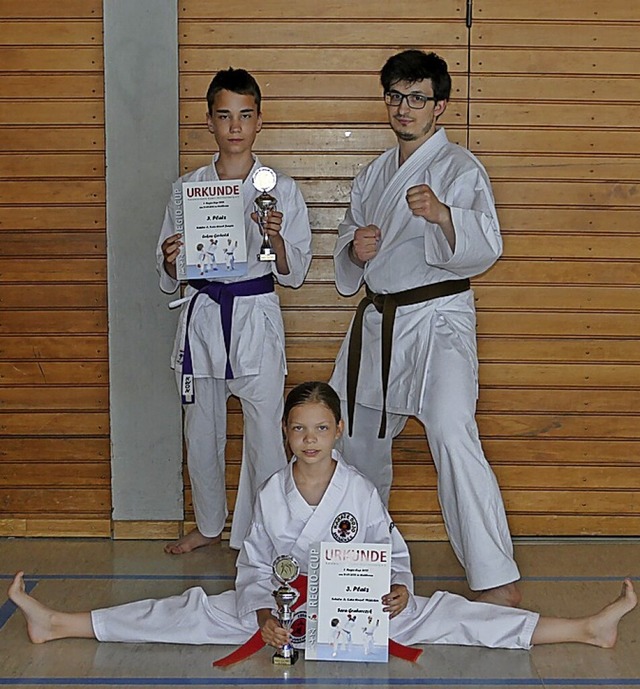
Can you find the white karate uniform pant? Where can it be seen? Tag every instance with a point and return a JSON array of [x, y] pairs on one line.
[[469, 495], [205, 433], [195, 618]]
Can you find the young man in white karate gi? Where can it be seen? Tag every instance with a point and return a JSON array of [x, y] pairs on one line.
[[243, 356], [302, 504], [421, 222]]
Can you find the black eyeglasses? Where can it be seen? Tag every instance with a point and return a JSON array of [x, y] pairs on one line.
[[416, 101]]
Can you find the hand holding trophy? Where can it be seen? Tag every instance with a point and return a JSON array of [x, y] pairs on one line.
[[264, 180], [285, 569]]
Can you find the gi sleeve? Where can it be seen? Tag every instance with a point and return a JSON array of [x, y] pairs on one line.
[[478, 242], [167, 283], [296, 234], [254, 584], [349, 276]]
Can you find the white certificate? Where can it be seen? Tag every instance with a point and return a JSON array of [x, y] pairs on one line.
[[210, 216], [345, 620]]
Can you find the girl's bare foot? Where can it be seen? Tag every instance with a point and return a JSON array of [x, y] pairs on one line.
[[45, 624], [508, 595], [194, 539], [40, 619], [602, 628]]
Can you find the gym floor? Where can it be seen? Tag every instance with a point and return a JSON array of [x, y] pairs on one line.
[[565, 578]]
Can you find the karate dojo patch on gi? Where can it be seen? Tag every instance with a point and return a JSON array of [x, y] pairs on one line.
[[299, 627], [344, 527]]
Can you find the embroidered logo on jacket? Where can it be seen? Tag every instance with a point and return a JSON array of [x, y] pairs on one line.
[[344, 527]]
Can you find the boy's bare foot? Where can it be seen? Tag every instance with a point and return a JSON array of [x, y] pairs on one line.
[[602, 628], [194, 539], [40, 619], [508, 595]]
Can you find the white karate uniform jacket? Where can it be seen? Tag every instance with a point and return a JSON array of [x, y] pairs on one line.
[[250, 314], [413, 253]]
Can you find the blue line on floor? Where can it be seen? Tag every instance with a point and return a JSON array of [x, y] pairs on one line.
[[231, 577], [315, 681], [8, 608]]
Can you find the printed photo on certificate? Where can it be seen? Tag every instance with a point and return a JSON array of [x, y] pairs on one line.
[[210, 216], [345, 620]]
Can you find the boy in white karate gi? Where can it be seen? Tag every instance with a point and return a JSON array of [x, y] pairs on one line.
[[422, 221], [245, 357], [304, 503]]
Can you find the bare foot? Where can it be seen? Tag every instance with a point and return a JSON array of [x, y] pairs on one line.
[[602, 628], [45, 624], [40, 619], [508, 595], [194, 539]]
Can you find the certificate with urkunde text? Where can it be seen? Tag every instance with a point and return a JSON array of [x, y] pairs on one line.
[[210, 217], [345, 620]]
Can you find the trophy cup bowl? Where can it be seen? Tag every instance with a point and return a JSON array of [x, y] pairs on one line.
[[285, 569], [264, 180]]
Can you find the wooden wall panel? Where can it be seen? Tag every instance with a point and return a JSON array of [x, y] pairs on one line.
[[317, 64], [54, 406], [558, 315]]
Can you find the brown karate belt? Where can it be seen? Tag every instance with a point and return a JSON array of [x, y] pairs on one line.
[[387, 304]]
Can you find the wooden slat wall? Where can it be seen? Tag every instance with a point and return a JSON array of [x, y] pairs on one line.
[[554, 114], [54, 450], [553, 102], [318, 64], [557, 316]]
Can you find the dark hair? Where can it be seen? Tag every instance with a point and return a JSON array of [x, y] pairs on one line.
[[237, 81], [313, 391], [416, 65]]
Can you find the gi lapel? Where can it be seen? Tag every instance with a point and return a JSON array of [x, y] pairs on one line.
[[318, 525], [392, 206]]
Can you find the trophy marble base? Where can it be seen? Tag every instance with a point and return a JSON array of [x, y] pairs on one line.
[[266, 255], [278, 659]]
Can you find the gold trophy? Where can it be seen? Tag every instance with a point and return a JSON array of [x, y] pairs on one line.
[[285, 569], [264, 180]]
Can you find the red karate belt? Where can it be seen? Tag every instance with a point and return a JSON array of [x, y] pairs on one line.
[[255, 643]]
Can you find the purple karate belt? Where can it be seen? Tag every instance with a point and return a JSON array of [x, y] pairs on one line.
[[224, 294]]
